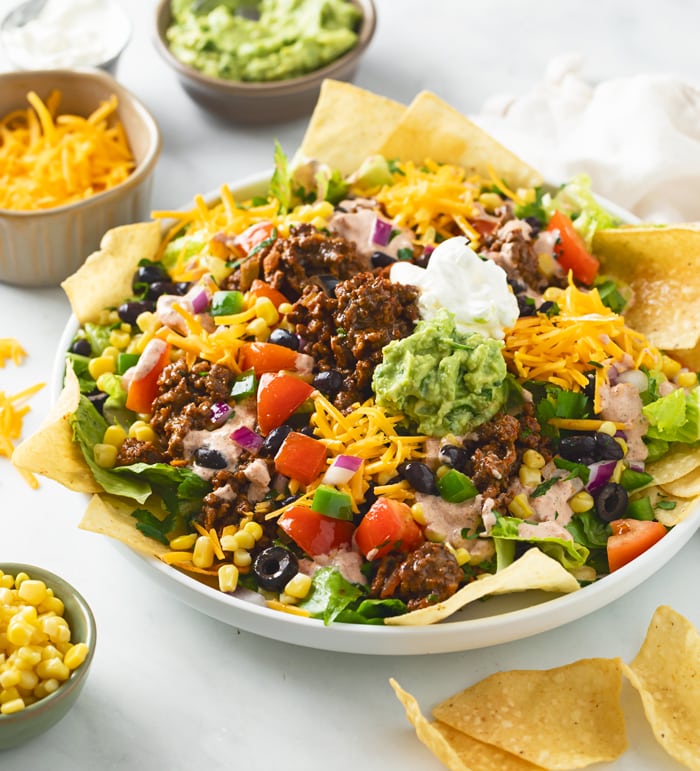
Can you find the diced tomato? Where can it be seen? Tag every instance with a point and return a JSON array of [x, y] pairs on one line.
[[315, 533], [570, 250], [387, 526], [252, 236], [260, 289], [279, 395], [630, 538], [266, 357], [143, 387], [300, 457]]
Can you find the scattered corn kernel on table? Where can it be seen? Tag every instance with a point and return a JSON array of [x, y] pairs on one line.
[[175, 689]]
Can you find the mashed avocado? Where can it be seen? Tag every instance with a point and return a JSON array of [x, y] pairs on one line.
[[444, 381], [261, 40]]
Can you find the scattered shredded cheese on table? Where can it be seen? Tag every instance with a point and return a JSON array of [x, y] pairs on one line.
[[49, 160]]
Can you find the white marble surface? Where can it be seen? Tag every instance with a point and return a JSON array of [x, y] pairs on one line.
[[171, 688]]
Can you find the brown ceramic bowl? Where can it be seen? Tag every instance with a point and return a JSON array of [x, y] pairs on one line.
[[268, 102], [42, 247]]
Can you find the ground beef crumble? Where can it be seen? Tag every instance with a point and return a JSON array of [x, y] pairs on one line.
[[346, 331], [427, 575]]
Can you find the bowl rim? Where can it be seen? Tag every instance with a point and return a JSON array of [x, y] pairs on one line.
[[7, 23], [269, 88], [142, 170], [53, 580]]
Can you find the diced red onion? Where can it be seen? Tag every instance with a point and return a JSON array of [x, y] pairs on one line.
[[199, 299], [612, 375], [381, 235], [634, 377], [342, 470], [247, 439], [637, 465], [429, 249], [600, 474], [220, 413]]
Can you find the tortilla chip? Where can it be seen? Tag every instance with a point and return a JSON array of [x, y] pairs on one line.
[[348, 125], [455, 749], [430, 128], [679, 461], [669, 509], [111, 516], [534, 570], [104, 279], [562, 718], [687, 486], [51, 451], [662, 267], [666, 672]]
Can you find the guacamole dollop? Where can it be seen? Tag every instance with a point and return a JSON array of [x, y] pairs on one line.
[[442, 380], [261, 40]]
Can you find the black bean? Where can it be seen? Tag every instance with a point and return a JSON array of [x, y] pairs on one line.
[[611, 501], [607, 448], [158, 288], [209, 458], [580, 448], [545, 307], [182, 287], [454, 456], [81, 346], [98, 399], [149, 274], [129, 312], [328, 382], [274, 567], [535, 224], [381, 259], [526, 307], [281, 336], [326, 282], [273, 441], [419, 476]]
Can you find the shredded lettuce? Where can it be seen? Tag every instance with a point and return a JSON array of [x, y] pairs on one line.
[[576, 200], [675, 417]]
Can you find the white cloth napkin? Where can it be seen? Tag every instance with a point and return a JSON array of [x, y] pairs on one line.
[[637, 137]]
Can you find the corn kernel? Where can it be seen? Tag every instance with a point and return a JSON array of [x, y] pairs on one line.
[[607, 427], [418, 514], [287, 599], [111, 351], [10, 678], [52, 668], [8, 694], [229, 542], [99, 365], [143, 433], [228, 578], [433, 535], [7, 581], [19, 632], [114, 435], [242, 558], [285, 308], [622, 444], [298, 586], [581, 502], [670, 367], [617, 472], [75, 655], [56, 628], [119, 339], [28, 680], [529, 477], [21, 576], [10, 707], [105, 455], [32, 591], [462, 556], [147, 321], [107, 318], [533, 459], [254, 529], [243, 539], [687, 379], [184, 542], [490, 201], [259, 329], [520, 507], [203, 556], [52, 605], [28, 656], [265, 310]]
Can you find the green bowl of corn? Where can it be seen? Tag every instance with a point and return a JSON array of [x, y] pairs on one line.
[[47, 642]]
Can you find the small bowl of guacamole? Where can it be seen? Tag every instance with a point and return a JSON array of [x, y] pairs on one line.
[[261, 61]]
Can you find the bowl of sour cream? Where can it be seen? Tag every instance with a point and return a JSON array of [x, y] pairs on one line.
[[63, 34]]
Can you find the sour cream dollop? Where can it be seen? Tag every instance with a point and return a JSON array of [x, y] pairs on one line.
[[476, 291]]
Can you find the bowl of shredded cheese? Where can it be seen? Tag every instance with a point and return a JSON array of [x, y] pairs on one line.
[[77, 155], [47, 642]]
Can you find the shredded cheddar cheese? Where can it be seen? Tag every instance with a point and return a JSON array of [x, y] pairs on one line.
[[11, 418], [584, 336], [11, 349], [49, 160]]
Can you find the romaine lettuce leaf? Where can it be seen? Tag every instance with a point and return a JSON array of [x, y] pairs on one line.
[[330, 594], [675, 417]]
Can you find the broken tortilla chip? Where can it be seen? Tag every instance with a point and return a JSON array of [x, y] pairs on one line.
[[680, 460], [534, 570], [347, 126], [562, 718], [104, 280], [669, 509], [661, 265], [51, 451], [430, 128], [666, 672], [111, 516], [457, 750]]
